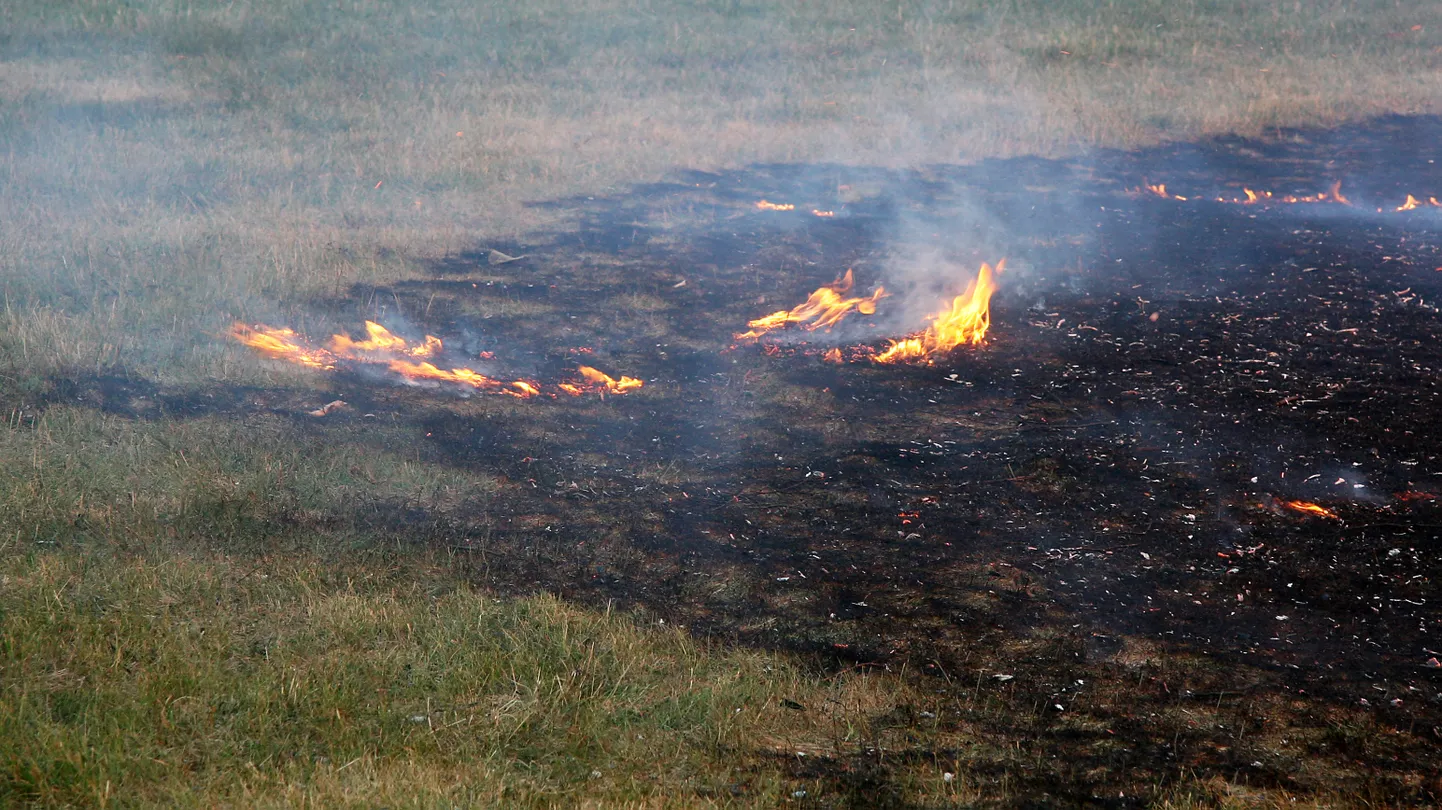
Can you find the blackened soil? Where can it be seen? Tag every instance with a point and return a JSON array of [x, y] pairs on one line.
[[1098, 490]]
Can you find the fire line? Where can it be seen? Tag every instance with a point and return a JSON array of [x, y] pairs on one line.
[[1250, 197], [409, 361]]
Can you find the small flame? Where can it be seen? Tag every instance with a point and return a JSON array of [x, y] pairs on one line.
[[1309, 508], [818, 212], [381, 340], [462, 376], [1160, 189], [282, 344], [381, 347], [604, 382], [823, 309], [771, 206], [966, 322], [1333, 194], [832, 356]]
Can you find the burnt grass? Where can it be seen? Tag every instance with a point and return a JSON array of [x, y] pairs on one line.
[[1090, 503]]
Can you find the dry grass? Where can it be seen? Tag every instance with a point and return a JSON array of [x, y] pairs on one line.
[[169, 169]]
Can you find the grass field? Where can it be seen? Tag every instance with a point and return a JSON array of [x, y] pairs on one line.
[[196, 611]]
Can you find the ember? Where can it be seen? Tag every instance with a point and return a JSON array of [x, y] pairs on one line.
[[966, 322], [823, 309], [771, 206]]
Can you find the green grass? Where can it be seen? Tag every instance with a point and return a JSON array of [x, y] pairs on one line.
[[185, 680]]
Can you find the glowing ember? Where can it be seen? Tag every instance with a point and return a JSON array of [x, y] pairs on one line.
[[771, 206], [606, 383], [832, 356], [1309, 508], [282, 344], [966, 322], [821, 213], [823, 309]]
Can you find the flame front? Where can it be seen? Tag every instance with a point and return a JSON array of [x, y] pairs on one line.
[[462, 376], [966, 322], [1309, 508], [823, 309], [601, 381], [282, 344], [1331, 195], [381, 340], [771, 206], [382, 347], [1160, 189]]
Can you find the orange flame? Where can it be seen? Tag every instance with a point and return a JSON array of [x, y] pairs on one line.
[[823, 309], [771, 206], [818, 212], [1333, 194], [463, 376], [381, 340], [1309, 508], [832, 356], [282, 344], [606, 383], [966, 322], [381, 347], [1160, 189]]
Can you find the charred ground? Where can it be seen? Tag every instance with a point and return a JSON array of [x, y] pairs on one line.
[[1090, 503]]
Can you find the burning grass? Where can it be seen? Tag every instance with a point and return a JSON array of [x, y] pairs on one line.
[[200, 516], [383, 349]]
